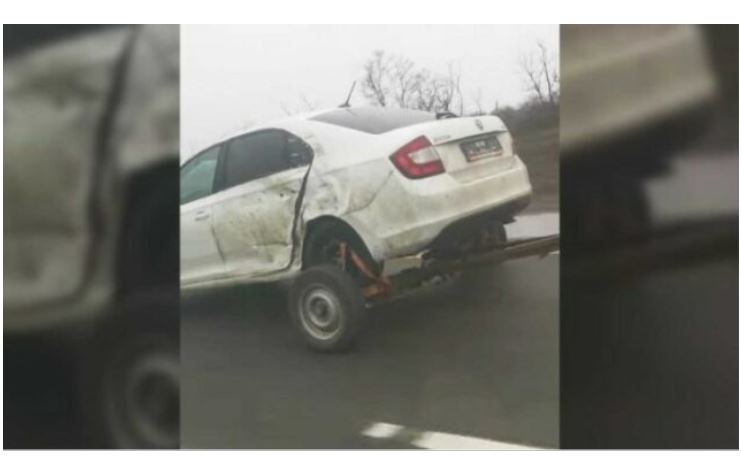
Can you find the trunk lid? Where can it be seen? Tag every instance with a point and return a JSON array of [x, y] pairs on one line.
[[470, 147]]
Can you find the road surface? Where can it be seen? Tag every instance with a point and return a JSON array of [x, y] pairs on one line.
[[470, 364]]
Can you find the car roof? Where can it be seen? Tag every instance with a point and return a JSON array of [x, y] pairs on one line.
[[329, 115], [293, 122]]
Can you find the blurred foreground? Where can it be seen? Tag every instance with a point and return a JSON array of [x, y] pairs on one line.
[[649, 202], [90, 234]]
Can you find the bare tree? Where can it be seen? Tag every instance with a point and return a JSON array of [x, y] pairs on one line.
[[478, 103], [287, 111], [376, 79], [395, 81], [425, 93], [550, 72], [452, 90], [405, 81], [532, 77], [303, 106], [541, 74], [306, 104]]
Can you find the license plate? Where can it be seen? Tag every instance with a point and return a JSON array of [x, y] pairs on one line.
[[481, 148]]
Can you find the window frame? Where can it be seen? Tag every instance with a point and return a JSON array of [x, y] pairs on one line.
[[219, 155], [221, 166]]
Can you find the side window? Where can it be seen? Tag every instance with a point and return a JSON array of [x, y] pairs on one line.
[[261, 154], [197, 176]]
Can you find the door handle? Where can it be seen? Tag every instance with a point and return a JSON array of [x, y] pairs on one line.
[[202, 215]]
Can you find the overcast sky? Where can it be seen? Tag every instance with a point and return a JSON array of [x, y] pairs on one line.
[[237, 76]]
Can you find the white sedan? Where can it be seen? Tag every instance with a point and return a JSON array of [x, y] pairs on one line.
[[283, 200]]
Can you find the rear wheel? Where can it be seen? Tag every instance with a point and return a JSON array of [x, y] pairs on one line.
[[327, 308]]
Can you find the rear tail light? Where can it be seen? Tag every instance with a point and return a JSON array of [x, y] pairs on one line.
[[418, 159]]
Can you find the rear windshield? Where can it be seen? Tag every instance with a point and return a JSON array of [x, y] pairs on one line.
[[374, 120]]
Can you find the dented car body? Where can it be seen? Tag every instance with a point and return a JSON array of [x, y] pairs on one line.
[[393, 179], [85, 118]]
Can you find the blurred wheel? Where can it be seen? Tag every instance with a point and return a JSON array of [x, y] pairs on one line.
[[141, 392], [131, 385]]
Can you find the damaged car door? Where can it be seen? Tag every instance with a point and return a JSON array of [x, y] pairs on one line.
[[260, 184], [199, 256]]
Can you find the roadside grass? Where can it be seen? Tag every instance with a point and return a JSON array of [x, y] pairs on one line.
[[539, 151]]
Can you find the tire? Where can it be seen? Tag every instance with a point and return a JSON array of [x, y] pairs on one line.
[[327, 308], [130, 391]]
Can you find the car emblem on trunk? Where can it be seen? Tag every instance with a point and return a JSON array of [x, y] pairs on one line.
[[479, 124]]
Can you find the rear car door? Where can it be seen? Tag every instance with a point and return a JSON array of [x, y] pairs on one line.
[[200, 258], [260, 183]]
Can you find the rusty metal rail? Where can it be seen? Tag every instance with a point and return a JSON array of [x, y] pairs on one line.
[[512, 250], [431, 268]]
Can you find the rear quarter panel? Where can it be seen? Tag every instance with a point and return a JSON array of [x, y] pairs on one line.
[[353, 179], [348, 170]]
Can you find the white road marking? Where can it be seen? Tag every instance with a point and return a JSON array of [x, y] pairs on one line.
[[438, 440], [442, 441], [382, 430]]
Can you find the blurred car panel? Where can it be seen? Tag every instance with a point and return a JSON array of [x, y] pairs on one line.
[[91, 141]]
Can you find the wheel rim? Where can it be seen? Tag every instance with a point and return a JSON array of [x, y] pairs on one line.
[[153, 394], [320, 312], [145, 404]]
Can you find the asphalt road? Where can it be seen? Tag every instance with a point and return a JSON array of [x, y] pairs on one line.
[[477, 357], [650, 356], [42, 408]]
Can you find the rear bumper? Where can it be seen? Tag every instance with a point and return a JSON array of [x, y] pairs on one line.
[[403, 221]]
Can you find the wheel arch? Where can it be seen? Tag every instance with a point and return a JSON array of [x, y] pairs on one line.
[[319, 223]]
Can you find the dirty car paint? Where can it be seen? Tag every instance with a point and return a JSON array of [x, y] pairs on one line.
[[351, 179]]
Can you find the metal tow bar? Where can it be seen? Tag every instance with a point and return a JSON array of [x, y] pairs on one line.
[[383, 286]]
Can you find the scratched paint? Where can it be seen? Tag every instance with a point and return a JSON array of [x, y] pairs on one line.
[[352, 179]]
